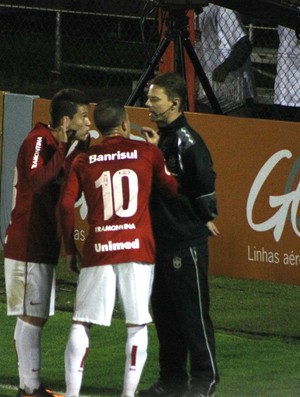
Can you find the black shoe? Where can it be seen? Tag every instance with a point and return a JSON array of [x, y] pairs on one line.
[[164, 389], [20, 392]]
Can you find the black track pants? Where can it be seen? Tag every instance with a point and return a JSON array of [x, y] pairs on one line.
[[180, 303]]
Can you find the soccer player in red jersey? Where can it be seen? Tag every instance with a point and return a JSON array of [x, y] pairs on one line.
[[116, 177], [32, 244]]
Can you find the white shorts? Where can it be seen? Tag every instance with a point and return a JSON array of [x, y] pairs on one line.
[[30, 288], [96, 293]]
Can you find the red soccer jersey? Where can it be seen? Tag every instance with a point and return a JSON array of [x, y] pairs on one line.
[[116, 177], [32, 232]]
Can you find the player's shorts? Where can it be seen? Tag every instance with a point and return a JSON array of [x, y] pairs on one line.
[[30, 288], [96, 293]]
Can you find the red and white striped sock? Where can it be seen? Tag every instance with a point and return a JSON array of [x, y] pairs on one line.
[[136, 355]]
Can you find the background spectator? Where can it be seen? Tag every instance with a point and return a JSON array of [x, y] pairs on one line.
[[224, 49], [287, 80]]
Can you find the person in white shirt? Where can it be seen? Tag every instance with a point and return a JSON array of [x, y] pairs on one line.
[[287, 80], [224, 49]]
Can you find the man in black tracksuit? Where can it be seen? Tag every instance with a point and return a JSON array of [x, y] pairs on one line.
[[180, 297]]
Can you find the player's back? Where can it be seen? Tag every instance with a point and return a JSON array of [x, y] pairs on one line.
[[116, 178], [118, 172]]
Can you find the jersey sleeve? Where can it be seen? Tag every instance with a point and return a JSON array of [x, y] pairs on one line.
[[68, 198], [162, 178], [201, 181], [44, 162]]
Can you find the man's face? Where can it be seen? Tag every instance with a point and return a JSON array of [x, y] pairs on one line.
[[80, 123], [161, 109]]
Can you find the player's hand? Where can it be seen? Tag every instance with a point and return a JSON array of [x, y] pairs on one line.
[[74, 262], [150, 135], [219, 74], [213, 229], [62, 135]]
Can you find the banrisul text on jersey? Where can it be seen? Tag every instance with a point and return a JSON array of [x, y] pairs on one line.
[[114, 156]]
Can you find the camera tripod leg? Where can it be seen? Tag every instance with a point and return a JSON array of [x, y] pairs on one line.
[[149, 72], [179, 61], [178, 33], [202, 76]]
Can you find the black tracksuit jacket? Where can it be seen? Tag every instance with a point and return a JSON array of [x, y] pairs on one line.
[[182, 221]]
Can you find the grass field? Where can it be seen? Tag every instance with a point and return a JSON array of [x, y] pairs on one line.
[[257, 332]]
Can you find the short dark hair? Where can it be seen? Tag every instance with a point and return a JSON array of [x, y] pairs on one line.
[[108, 114], [174, 86], [65, 103]]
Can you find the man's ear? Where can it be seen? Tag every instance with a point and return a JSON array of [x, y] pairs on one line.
[[123, 125], [175, 103]]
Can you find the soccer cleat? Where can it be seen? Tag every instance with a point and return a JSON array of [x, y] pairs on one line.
[[40, 392], [54, 394], [20, 393], [163, 389]]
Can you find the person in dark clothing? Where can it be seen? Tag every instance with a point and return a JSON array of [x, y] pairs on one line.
[[180, 296]]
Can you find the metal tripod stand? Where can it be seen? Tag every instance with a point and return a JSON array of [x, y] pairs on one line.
[[177, 31]]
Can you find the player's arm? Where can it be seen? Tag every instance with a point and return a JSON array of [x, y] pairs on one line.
[[41, 169], [73, 261], [68, 198]]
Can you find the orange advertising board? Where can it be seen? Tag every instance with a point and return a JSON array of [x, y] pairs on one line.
[[257, 164]]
